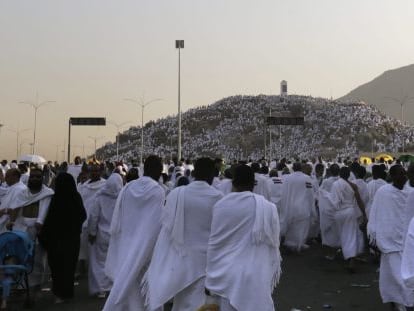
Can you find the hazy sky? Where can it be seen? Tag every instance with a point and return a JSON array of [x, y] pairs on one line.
[[89, 55]]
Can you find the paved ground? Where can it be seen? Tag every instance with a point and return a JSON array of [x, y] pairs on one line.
[[309, 282]]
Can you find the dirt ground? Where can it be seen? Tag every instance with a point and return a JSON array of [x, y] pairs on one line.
[[309, 282]]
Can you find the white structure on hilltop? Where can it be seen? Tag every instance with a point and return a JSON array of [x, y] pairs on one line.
[[283, 88]]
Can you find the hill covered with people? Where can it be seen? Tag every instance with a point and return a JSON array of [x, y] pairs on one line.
[[235, 128]]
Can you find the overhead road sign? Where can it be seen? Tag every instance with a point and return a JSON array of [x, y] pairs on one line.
[[285, 120], [83, 121], [87, 121]]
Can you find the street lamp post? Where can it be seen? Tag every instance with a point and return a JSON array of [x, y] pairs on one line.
[[18, 132], [95, 139], [402, 101], [57, 153], [118, 127], [179, 44], [270, 138], [24, 141], [142, 103], [1, 125], [36, 106]]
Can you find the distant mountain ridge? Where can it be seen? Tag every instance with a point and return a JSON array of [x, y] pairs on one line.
[[387, 91]]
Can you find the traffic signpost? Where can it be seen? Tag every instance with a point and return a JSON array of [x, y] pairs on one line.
[[82, 122]]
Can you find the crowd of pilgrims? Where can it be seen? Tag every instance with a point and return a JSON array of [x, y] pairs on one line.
[[234, 127], [206, 234]]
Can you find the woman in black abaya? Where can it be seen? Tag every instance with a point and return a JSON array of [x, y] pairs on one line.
[[60, 235]]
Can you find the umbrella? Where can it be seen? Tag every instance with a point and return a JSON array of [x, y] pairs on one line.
[[365, 160], [406, 158], [385, 156], [32, 158]]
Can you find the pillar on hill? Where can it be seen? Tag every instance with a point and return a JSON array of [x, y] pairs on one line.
[[283, 88]]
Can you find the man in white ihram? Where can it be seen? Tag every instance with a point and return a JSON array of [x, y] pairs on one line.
[[298, 201], [348, 213], [14, 187], [28, 212], [262, 185], [373, 186], [88, 191], [135, 226], [243, 259], [100, 216], [407, 262], [329, 230], [387, 228], [178, 265]]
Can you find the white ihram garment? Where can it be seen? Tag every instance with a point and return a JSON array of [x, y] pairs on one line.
[[262, 186], [373, 186], [88, 191], [10, 200], [27, 224], [225, 186], [327, 183], [363, 190], [276, 190], [388, 226], [178, 265], [243, 259], [329, 230], [74, 170], [314, 229], [100, 216], [298, 209], [407, 263], [346, 218], [135, 226]]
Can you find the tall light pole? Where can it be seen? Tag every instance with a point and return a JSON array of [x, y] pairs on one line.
[[57, 153], [402, 101], [270, 138], [24, 141], [36, 106], [18, 132], [118, 127], [82, 148], [1, 125], [142, 103], [179, 44], [95, 139]]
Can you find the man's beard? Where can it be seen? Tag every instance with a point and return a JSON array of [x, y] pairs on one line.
[[34, 186]]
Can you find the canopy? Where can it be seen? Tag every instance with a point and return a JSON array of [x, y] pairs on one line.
[[406, 158], [365, 160], [385, 156], [32, 158]]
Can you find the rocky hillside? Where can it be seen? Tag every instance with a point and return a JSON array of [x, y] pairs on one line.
[[388, 91], [234, 128]]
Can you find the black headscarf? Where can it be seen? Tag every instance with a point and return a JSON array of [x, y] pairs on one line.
[[66, 212]]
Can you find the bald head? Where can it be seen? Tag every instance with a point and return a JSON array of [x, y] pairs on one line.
[[153, 167], [297, 167], [243, 179], [307, 169], [12, 176], [398, 176]]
